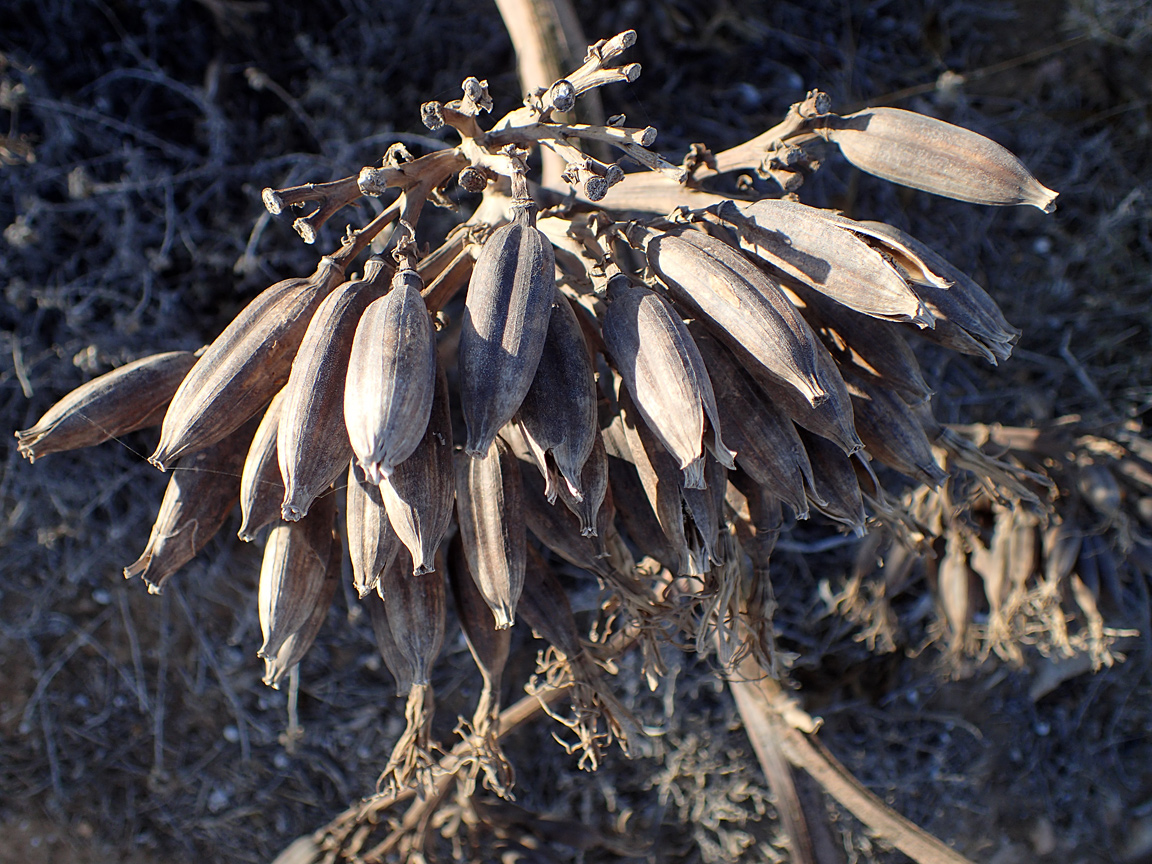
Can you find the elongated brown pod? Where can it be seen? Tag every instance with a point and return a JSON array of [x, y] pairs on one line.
[[391, 378], [416, 607], [489, 501], [134, 396], [372, 542], [261, 486], [925, 153], [244, 367], [312, 444], [506, 316]]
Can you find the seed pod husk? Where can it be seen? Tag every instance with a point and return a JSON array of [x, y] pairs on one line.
[[133, 396], [741, 304], [261, 486], [505, 323], [802, 242], [594, 483], [925, 153], [372, 542], [558, 414], [864, 344], [953, 581], [665, 376], [546, 608], [489, 505], [200, 494], [964, 305], [391, 378], [636, 513], [892, 433], [396, 662], [767, 446], [418, 495], [416, 611], [297, 645], [312, 444], [244, 367], [835, 482], [292, 573]]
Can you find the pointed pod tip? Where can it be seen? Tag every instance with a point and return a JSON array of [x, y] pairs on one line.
[[290, 512], [156, 461], [423, 569]]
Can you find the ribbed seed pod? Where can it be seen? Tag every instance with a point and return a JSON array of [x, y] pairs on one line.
[[864, 344], [292, 573], [133, 396], [391, 378], [489, 505], [964, 304], [396, 662], [594, 483], [489, 644], [312, 444], [261, 486], [665, 375], [767, 446], [372, 542], [505, 323], [925, 153], [741, 304], [297, 645], [244, 367], [835, 482], [416, 608], [419, 494], [892, 433], [201, 493], [546, 608], [558, 414], [819, 252]]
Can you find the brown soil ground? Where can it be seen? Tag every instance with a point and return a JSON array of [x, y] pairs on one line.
[[135, 728]]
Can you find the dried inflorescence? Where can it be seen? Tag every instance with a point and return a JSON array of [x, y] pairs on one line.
[[609, 364]]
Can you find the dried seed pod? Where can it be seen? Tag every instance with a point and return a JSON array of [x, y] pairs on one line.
[[665, 375], [892, 433], [391, 378], [292, 573], [261, 486], [741, 304], [835, 482], [396, 662], [418, 495], [244, 367], [864, 344], [819, 252], [558, 414], [201, 493], [925, 153], [372, 542], [505, 323], [489, 505], [297, 645], [416, 612], [312, 444], [767, 446], [546, 608], [963, 306], [594, 483], [952, 589], [133, 396], [636, 513]]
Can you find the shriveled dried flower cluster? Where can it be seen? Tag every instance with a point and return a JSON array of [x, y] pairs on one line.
[[641, 370]]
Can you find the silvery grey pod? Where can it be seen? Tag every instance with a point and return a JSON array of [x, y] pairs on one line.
[[489, 505], [835, 482], [391, 378], [820, 252], [312, 445], [663, 372], [419, 493], [261, 486], [506, 314], [292, 573], [396, 662], [297, 645], [201, 493], [594, 483], [416, 607], [245, 366], [133, 396], [740, 303], [372, 542], [768, 448], [925, 153], [558, 414]]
